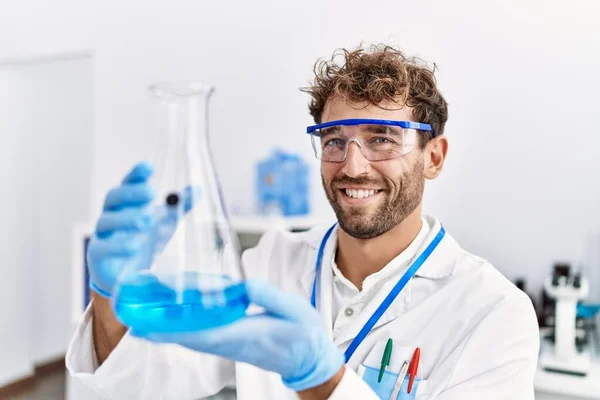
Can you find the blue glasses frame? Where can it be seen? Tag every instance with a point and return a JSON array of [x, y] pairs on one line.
[[312, 130]]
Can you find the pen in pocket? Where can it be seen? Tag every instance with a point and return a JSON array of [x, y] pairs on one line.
[[399, 381], [385, 360], [413, 368]]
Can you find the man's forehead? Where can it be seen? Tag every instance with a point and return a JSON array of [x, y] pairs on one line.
[[337, 108]]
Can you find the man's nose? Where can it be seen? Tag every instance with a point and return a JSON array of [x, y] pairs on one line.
[[356, 164]]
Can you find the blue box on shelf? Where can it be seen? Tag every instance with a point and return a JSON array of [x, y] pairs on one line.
[[282, 185]]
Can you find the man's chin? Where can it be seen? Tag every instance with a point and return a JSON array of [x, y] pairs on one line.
[[355, 221], [358, 230], [364, 212], [358, 221]]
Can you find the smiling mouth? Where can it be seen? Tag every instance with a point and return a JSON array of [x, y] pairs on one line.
[[360, 193]]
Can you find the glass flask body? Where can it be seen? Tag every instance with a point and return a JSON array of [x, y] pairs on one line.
[[188, 275]]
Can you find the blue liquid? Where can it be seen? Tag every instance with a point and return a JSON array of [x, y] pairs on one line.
[[146, 304]]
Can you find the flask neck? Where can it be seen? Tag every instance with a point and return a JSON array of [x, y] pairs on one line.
[[185, 106], [188, 121]]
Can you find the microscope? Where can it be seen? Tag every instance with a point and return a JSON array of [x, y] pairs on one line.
[[564, 355]]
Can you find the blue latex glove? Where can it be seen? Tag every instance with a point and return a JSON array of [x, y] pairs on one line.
[[119, 236], [287, 338], [129, 232]]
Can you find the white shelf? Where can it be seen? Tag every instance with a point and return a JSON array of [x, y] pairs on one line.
[[257, 224], [587, 387], [584, 387]]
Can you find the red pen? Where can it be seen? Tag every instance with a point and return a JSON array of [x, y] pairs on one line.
[[413, 367]]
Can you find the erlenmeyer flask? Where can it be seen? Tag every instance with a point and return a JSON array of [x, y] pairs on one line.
[[195, 279]]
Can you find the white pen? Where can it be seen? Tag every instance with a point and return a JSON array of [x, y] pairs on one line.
[[399, 381]]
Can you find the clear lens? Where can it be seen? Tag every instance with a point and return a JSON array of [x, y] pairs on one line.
[[377, 142]]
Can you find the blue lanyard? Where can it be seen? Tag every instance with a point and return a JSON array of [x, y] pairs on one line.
[[389, 298]]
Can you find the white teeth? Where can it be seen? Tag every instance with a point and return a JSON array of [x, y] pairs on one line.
[[359, 193]]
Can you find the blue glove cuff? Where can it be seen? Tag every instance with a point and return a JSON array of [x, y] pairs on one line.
[[330, 363], [101, 292]]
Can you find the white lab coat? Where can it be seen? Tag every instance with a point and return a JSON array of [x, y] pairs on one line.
[[477, 333]]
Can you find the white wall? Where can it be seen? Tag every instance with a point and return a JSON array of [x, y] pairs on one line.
[[520, 76], [62, 104], [18, 224], [47, 134], [30, 28]]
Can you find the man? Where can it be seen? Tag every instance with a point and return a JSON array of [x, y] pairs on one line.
[[383, 274]]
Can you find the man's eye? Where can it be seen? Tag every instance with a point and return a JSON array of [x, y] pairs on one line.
[[381, 140], [334, 143]]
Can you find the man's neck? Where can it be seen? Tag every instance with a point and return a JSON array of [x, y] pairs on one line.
[[359, 258]]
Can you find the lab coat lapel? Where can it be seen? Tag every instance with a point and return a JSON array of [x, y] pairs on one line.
[[440, 264]]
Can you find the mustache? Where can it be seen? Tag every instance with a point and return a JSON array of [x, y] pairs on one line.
[[361, 180]]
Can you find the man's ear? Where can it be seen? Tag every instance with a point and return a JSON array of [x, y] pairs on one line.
[[434, 156]]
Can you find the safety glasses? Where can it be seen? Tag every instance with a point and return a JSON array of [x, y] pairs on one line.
[[377, 139]]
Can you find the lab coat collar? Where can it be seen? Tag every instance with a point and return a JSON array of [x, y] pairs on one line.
[[437, 267], [314, 237], [440, 264]]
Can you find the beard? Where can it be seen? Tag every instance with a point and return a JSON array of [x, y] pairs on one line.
[[363, 223]]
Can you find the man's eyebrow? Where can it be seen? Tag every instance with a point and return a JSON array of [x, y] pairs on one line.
[[374, 128], [330, 130]]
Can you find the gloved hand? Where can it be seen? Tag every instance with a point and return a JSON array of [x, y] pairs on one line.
[[287, 338], [119, 235]]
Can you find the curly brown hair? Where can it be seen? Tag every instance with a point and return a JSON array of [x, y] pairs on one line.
[[375, 74]]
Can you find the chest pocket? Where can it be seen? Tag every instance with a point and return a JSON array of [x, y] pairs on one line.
[[369, 371]]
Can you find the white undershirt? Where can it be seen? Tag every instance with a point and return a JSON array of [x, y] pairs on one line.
[[348, 301]]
